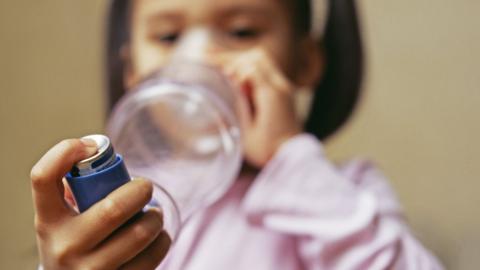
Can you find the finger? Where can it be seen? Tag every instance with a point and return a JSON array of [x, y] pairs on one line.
[[104, 217], [246, 80], [221, 59], [261, 82], [128, 242], [274, 76], [270, 71], [152, 256], [242, 91], [274, 91], [46, 176], [251, 82], [68, 195], [245, 110]]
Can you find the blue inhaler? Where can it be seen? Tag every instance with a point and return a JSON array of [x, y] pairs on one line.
[[92, 179]]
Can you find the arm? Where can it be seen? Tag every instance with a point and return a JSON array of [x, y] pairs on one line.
[[343, 219]]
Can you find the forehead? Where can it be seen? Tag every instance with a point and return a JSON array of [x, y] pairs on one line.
[[206, 9]]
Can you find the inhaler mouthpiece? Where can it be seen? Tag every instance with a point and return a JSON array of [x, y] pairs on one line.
[[179, 129]]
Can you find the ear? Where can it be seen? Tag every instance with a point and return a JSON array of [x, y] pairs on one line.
[[311, 63], [129, 77]]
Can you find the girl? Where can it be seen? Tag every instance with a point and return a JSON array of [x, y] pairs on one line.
[[290, 208]]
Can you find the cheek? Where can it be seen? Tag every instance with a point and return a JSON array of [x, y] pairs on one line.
[[276, 50], [283, 56], [146, 57], [280, 45]]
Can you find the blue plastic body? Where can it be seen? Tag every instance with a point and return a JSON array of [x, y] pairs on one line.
[[89, 189]]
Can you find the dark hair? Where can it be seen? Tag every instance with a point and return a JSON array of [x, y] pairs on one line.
[[337, 93]]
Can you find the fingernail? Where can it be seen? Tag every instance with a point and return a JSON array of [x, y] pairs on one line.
[[90, 146], [88, 142], [158, 214]]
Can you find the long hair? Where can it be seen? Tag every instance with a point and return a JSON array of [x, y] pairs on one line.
[[335, 96]]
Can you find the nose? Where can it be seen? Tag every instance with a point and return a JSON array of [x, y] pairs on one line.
[[196, 45]]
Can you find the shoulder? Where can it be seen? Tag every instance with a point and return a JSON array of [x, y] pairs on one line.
[[366, 175]]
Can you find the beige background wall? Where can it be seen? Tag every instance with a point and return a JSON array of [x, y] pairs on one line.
[[418, 120]]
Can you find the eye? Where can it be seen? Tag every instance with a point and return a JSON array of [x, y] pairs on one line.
[[244, 33], [167, 38]]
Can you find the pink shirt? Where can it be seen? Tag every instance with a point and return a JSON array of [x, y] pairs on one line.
[[301, 212]]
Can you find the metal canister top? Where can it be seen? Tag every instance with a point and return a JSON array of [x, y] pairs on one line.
[[104, 157]]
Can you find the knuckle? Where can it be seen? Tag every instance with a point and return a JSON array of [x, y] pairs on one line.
[[62, 251], [261, 56], [111, 210], [41, 229], [143, 233], [92, 266], [282, 85], [258, 52], [96, 265], [38, 176], [250, 72]]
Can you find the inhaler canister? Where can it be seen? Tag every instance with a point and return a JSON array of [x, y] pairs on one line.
[[93, 178]]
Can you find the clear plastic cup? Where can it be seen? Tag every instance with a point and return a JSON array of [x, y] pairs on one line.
[[180, 130]]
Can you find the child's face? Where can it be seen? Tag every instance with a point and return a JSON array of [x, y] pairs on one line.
[[237, 26], [253, 42]]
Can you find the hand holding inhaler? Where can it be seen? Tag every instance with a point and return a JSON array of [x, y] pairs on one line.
[[96, 238]]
